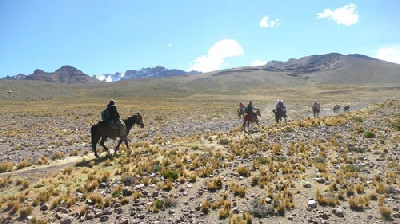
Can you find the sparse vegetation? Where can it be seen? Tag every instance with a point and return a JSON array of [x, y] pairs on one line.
[[223, 167]]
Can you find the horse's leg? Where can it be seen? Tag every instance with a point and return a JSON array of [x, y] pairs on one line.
[[95, 139], [126, 143], [103, 139], [116, 148]]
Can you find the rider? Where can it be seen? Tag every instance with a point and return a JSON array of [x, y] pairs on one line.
[[280, 107], [250, 111], [241, 105], [115, 119], [316, 104]]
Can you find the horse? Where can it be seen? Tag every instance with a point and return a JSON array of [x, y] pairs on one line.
[[346, 108], [279, 114], [336, 108], [249, 118], [240, 111], [316, 109], [103, 130]]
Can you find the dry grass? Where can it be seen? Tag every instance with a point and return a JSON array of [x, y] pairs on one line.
[[266, 163]]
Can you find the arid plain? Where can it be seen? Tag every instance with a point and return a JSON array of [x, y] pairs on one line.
[[193, 162]]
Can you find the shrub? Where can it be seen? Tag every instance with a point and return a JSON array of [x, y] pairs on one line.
[[6, 167], [171, 174], [57, 155], [159, 203], [263, 160], [196, 147], [260, 210], [223, 213], [243, 171], [223, 142], [25, 212], [352, 168], [396, 125], [358, 203], [385, 212], [369, 134]]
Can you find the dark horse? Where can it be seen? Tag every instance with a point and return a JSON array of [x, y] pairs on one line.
[[336, 109], [279, 114], [316, 109], [249, 118], [103, 130], [346, 108]]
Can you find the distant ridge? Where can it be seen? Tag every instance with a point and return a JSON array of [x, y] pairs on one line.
[[65, 74], [150, 72], [314, 63], [328, 69]]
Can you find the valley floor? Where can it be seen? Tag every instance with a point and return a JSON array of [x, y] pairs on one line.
[[200, 168]]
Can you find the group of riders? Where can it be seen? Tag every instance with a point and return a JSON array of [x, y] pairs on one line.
[[280, 109], [111, 115]]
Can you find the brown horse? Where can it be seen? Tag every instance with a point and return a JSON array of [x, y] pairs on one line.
[[249, 118], [103, 130]]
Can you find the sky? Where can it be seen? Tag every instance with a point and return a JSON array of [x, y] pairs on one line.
[[109, 36]]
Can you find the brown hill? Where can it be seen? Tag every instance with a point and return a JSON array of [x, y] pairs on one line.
[[65, 74], [340, 69], [330, 69]]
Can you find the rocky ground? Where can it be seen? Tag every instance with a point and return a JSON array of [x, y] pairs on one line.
[[220, 145]]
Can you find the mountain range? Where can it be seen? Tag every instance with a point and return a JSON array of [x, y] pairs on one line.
[[156, 72], [328, 69]]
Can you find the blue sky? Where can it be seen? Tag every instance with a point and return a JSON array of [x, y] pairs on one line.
[[104, 37]]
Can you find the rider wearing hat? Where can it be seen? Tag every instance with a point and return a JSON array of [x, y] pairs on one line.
[[115, 118], [250, 110]]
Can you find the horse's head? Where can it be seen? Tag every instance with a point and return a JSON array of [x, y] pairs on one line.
[[258, 112], [139, 120], [135, 119]]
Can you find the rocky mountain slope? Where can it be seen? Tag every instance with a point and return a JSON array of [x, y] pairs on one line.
[[329, 69], [65, 74]]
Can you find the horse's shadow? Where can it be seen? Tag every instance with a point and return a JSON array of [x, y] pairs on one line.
[[89, 163]]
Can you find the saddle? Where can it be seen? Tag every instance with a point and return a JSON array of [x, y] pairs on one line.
[[112, 124]]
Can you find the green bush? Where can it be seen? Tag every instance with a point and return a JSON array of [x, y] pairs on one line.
[[223, 142], [171, 174], [396, 125], [369, 134]]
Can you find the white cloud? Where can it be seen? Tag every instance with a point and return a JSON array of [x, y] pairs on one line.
[[265, 23], [216, 55], [347, 15], [258, 62], [169, 45], [391, 54]]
